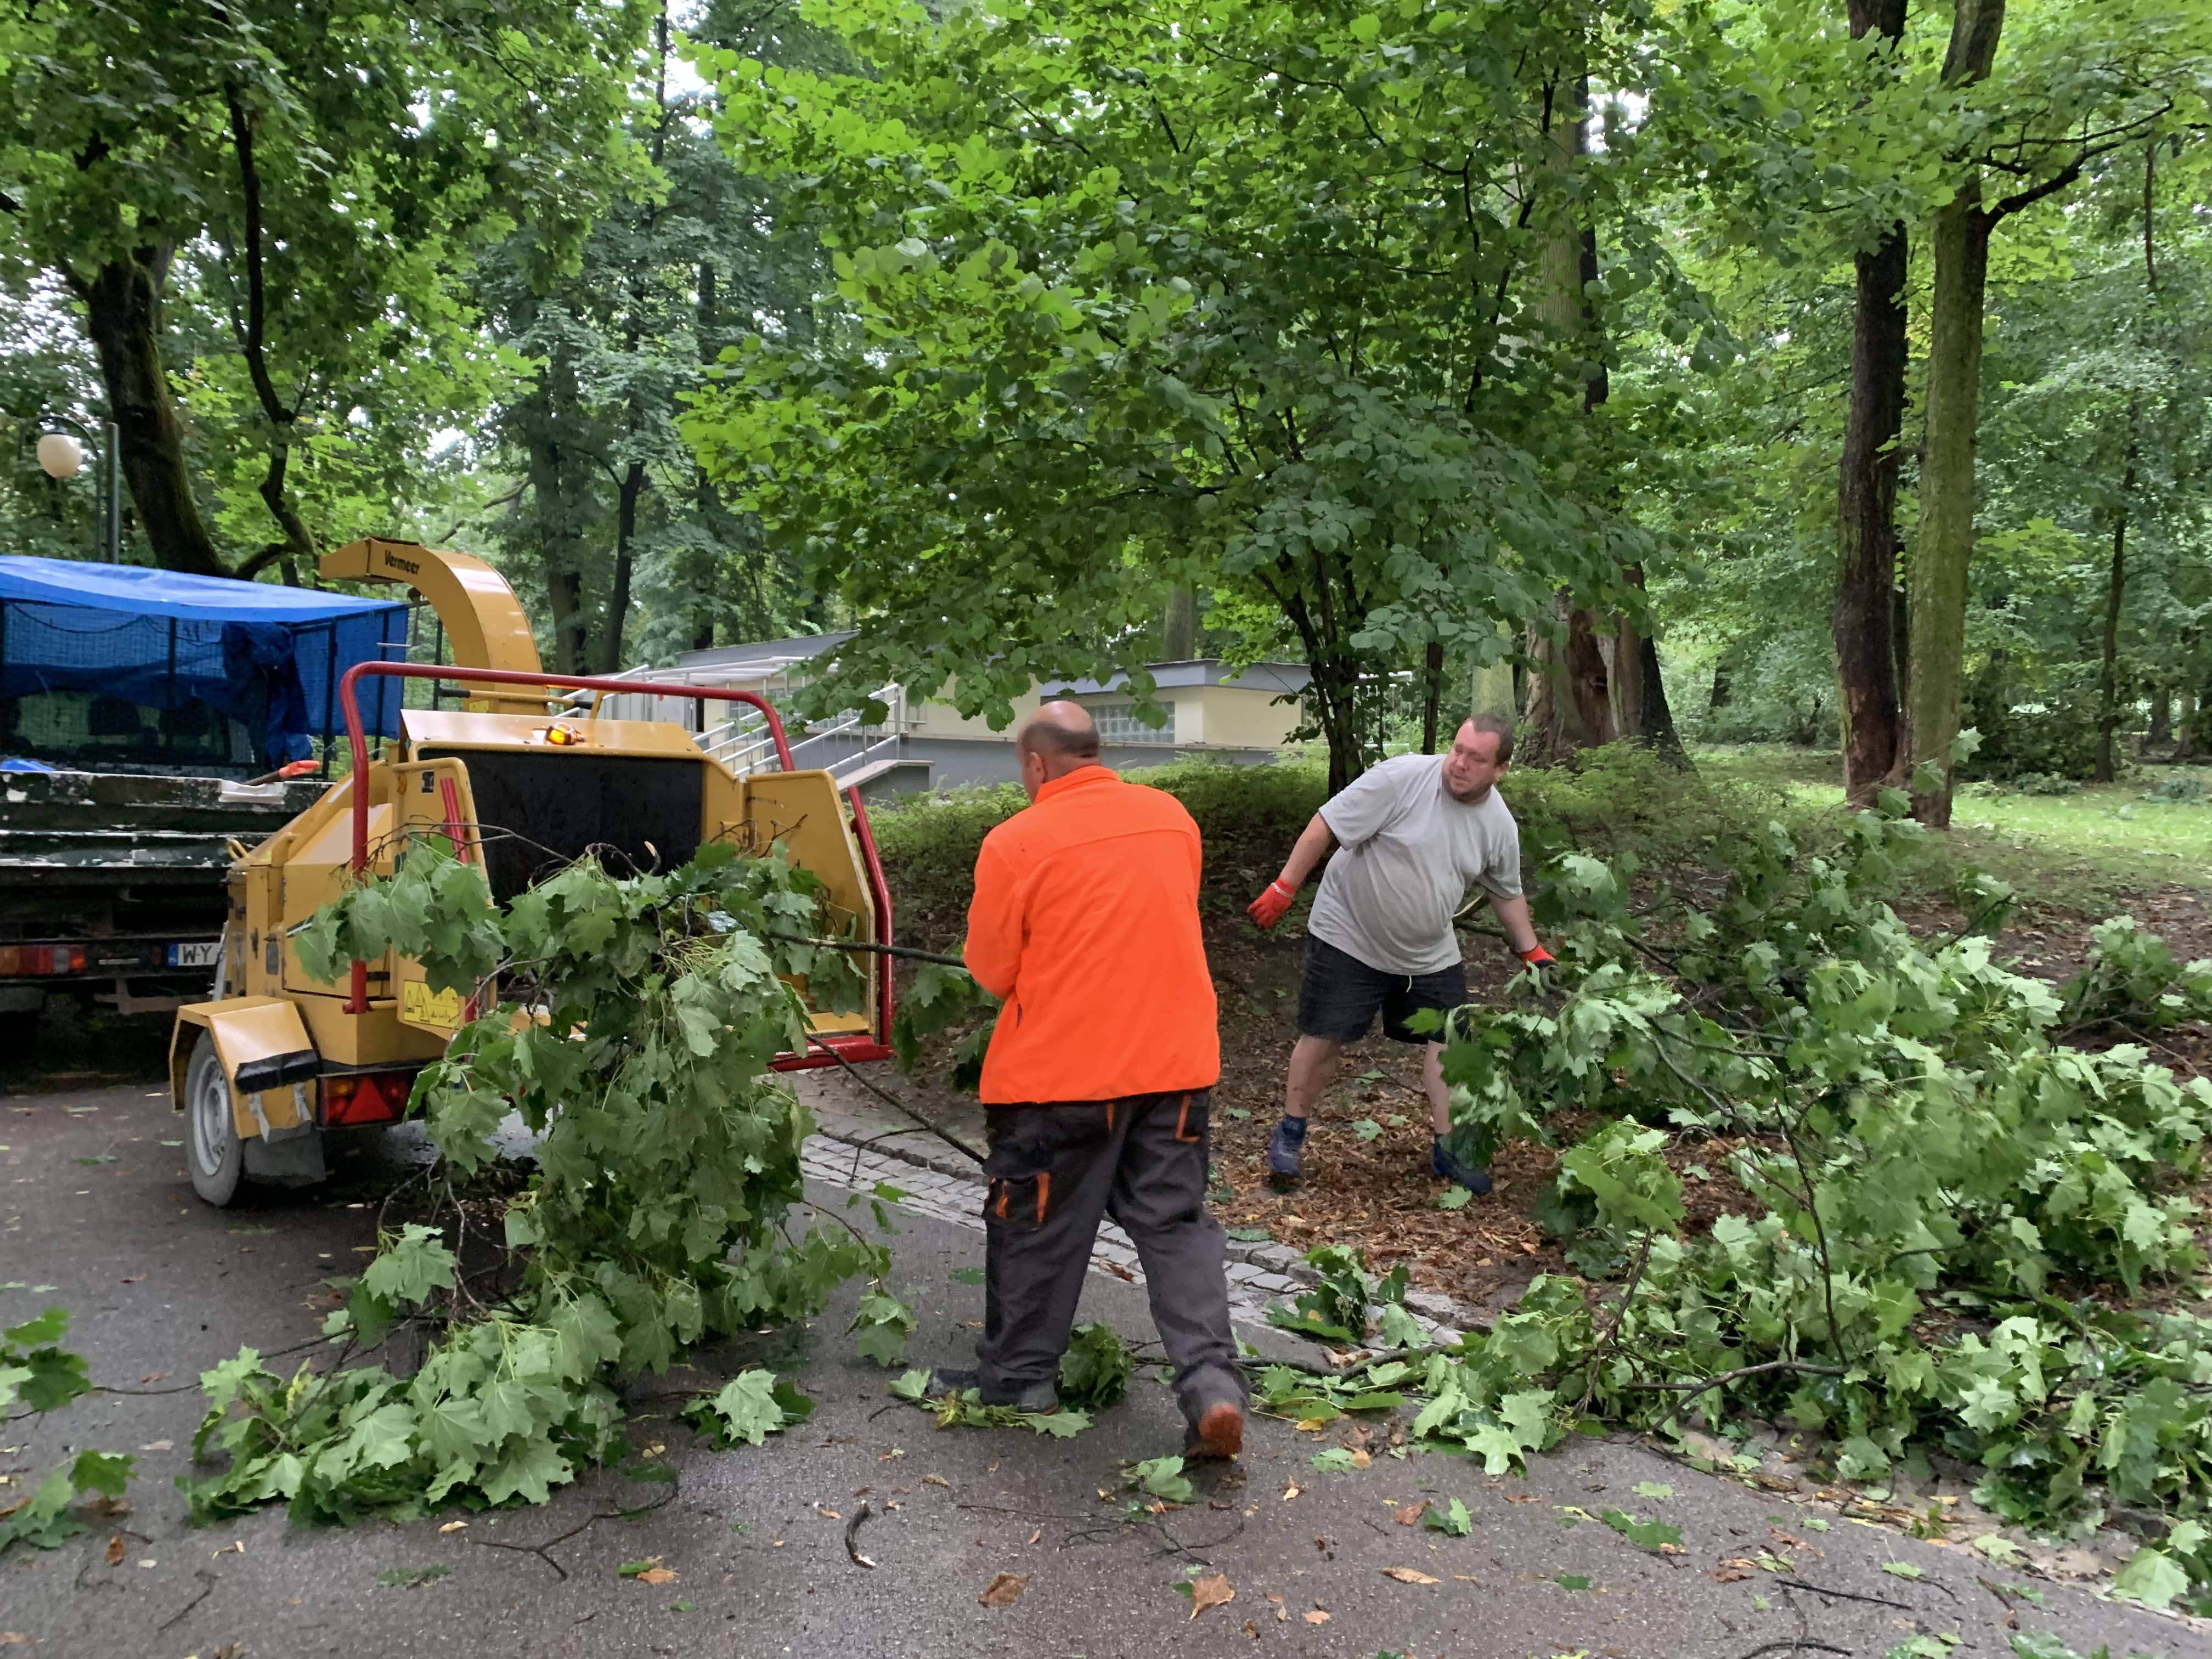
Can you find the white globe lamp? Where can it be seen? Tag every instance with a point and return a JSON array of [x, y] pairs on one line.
[[60, 454]]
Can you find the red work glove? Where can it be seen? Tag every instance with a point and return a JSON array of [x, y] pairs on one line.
[[1267, 910], [1537, 956]]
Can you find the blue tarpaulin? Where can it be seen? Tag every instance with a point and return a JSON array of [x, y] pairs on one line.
[[253, 650]]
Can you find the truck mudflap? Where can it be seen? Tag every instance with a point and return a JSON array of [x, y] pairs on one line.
[[266, 1054]]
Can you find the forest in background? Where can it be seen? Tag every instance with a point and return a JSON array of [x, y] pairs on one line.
[[1833, 374]]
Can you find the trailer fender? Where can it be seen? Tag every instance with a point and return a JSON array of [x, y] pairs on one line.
[[266, 1054]]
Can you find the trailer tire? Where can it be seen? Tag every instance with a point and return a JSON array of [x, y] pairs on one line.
[[213, 1152]]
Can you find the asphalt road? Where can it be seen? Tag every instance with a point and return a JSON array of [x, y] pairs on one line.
[[161, 1286]]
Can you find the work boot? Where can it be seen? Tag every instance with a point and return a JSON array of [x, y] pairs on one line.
[[1037, 1397], [1440, 1162], [1285, 1145], [1218, 1432]]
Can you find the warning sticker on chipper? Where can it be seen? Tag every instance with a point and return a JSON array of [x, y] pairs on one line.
[[420, 1006]]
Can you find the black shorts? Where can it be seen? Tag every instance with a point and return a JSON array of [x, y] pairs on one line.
[[1340, 995]]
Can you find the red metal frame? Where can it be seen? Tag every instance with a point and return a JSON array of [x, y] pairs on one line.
[[830, 1050]]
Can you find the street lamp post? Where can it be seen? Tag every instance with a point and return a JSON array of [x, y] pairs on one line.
[[62, 457]]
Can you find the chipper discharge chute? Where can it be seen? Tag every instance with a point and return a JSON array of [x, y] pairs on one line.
[[276, 1058]]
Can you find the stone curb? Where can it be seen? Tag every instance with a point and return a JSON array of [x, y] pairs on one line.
[[1260, 1272]]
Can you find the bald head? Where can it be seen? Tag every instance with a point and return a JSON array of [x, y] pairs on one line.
[[1062, 735]]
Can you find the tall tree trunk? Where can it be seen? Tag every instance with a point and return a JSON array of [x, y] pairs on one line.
[[1433, 694], [2161, 718], [1866, 515], [559, 523], [1540, 738], [296, 546], [1491, 691], [2116, 588], [626, 499], [1179, 626], [1960, 242], [1645, 714], [122, 314], [1588, 683]]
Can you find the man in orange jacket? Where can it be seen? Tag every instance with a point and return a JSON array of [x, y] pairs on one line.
[[1098, 1077]]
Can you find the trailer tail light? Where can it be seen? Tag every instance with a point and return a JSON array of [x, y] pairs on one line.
[[362, 1097], [35, 961]]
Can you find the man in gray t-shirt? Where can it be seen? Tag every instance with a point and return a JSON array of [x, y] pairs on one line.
[[1412, 835]]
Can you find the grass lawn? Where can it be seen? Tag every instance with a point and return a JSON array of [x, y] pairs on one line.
[[2107, 841]]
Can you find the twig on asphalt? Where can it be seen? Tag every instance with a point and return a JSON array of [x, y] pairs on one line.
[[540, 1550], [193, 1386], [1845, 1595], [208, 1582], [892, 1100], [1800, 1645], [852, 1529]]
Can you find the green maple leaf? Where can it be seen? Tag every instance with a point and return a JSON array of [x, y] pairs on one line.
[[1454, 1522], [505, 1406], [529, 1470], [1499, 1448], [406, 1271], [1062, 1425], [2151, 1578], [1336, 1460], [746, 1409], [1645, 1534], [881, 1326]]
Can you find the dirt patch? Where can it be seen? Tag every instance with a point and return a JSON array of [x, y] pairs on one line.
[[1371, 1188]]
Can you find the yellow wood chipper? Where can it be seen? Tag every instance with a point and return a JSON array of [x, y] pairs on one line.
[[517, 779]]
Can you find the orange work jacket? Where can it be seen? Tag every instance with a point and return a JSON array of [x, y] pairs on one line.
[[1085, 921]]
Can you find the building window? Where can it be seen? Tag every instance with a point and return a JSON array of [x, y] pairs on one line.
[[1118, 723]]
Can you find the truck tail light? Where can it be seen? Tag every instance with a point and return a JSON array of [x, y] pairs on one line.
[[35, 961], [362, 1097]]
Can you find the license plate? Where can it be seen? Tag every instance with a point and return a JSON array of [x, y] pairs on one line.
[[200, 953]]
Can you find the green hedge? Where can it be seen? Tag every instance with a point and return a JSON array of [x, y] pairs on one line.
[[1615, 801]]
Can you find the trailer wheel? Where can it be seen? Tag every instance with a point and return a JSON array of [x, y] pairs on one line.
[[212, 1152]]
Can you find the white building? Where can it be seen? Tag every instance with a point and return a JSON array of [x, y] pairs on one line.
[[1242, 716]]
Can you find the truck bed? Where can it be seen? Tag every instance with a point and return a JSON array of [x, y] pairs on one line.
[[111, 884]]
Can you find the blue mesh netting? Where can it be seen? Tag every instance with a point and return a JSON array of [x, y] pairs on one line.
[[265, 655]]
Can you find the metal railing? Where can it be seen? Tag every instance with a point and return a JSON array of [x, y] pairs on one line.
[[842, 745]]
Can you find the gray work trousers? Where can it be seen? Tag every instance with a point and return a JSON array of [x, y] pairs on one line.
[[1055, 1171]]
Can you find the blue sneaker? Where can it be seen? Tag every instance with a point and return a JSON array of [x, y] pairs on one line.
[[1442, 1162], [1283, 1146]]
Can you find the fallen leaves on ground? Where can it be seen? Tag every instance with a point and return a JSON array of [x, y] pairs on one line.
[[1290, 1491], [1733, 1570], [1318, 1616], [936, 1480], [1282, 1612], [115, 1551], [1408, 1575], [1410, 1514], [1212, 1591], [452, 1526], [1005, 1590]]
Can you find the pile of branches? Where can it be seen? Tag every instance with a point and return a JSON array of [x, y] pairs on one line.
[[1963, 1193], [631, 1023]]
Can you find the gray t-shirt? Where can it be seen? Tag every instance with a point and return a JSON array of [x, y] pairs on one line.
[[1407, 851]]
